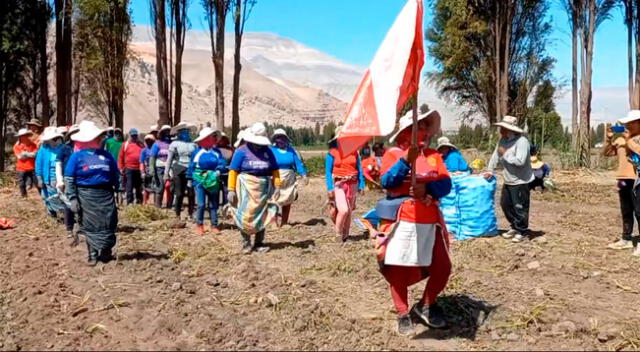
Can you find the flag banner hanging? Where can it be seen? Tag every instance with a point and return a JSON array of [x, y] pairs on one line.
[[391, 80]]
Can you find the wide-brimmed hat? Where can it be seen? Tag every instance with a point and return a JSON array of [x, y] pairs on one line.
[[204, 133], [34, 122], [50, 133], [257, 134], [510, 123], [280, 132], [536, 163], [153, 128], [149, 136], [444, 142], [633, 115], [73, 129], [87, 132], [62, 130], [336, 132], [23, 132], [164, 128], [406, 121], [239, 139], [181, 126]]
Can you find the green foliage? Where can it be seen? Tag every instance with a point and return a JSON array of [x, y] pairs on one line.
[[315, 165]]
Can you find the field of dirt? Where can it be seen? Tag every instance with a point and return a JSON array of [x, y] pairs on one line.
[[170, 289]]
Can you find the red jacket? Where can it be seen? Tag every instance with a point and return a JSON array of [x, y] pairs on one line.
[[129, 157]]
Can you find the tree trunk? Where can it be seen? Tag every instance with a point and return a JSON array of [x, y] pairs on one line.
[[63, 60], [585, 93], [237, 68], [636, 87], [44, 73], [631, 74], [218, 66], [574, 81], [498, 79], [161, 61], [180, 14]]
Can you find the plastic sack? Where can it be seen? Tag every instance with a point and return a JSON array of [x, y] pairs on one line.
[[469, 210]]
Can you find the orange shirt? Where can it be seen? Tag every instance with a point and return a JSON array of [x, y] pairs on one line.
[[344, 167], [28, 164]]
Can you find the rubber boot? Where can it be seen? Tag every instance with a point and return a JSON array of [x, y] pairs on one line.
[[259, 246], [92, 256], [246, 243]]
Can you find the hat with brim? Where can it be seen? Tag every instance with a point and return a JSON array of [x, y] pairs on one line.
[[633, 115], [165, 127], [88, 131], [181, 126], [149, 137], [153, 128], [73, 129], [510, 123], [406, 121], [239, 139], [49, 134], [204, 133], [537, 164], [62, 130], [336, 132], [257, 134], [23, 132], [280, 132], [444, 142], [34, 122]]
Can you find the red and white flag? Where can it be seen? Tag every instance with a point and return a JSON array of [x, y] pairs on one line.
[[392, 78]]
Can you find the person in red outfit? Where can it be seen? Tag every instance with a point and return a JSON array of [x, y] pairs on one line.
[[417, 246], [25, 151], [129, 166]]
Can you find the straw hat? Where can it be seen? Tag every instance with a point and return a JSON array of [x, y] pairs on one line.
[[50, 133], [149, 137], [165, 127], [88, 131], [181, 126], [406, 121], [153, 128], [536, 163], [633, 115], [510, 123], [444, 142], [23, 132], [204, 133], [257, 134], [34, 122], [240, 139]]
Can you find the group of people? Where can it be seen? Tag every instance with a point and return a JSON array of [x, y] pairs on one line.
[[79, 171]]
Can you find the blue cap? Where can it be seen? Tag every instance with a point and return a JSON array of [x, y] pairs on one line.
[[133, 132]]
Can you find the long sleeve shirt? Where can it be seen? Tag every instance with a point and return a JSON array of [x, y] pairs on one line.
[[430, 169], [515, 160], [92, 168], [455, 161], [129, 157], [337, 166], [289, 159], [46, 163], [25, 156], [178, 157]]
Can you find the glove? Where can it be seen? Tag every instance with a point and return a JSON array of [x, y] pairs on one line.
[[40, 182], [190, 184], [232, 198], [74, 206], [60, 187], [22, 156]]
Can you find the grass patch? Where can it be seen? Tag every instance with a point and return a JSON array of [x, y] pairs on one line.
[[177, 255], [315, 165], [141, 213]]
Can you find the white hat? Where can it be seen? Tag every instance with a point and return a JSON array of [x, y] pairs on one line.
[[406, 121], [204, 133], [88, 131], [444, 142], [279, 132], [631, 116], [336, 132], [62, 129], [510, 123], [73, 129], [23, 132], [153, 128], [49, 134], [165, 127], [257, 134], [181, 126], [239, 139], [149, 136]]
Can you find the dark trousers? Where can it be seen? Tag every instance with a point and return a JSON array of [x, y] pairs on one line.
[[133, 184], [515, 205], [224, 189], [537, 182], [180, 188], [629, 206], [69, 219], [26, 179]]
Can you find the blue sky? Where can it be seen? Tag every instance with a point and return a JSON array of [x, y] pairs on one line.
[[351, 30]]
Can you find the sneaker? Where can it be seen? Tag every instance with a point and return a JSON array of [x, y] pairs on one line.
[[261, 249], [432, 315], [621, 244], [200, 230], [247, 250], [405, 326], [215, 230], [510, 234], [519, 238], [636, 253]]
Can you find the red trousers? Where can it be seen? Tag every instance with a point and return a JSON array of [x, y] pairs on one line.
[[401, 277]]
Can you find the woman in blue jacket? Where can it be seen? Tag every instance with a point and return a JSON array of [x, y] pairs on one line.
[[289, 163], [91, 180], [46, 169], [452, 158]]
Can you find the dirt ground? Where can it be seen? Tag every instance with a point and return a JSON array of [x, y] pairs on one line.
[[170, 289]]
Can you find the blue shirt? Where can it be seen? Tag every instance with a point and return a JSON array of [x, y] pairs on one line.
[[65, 154], [206, 159], [260, 163], [289, 159], [92, 167], [455, 161], [46, 162], [145, 155]]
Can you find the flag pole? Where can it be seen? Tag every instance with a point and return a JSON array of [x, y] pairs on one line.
[[414, 138]]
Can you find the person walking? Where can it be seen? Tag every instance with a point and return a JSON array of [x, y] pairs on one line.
[[416, 242], [452, 157], [203, 172], [512, 152], [62, 158], [344, 179], [632, 137], [25, 151], [45, 170], [253, 178], [91, 180], [147, 179], [157, 166], [178, 158], [289, 163], [129, 166]]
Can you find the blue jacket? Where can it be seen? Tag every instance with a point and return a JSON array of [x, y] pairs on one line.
[[203, 159], [46, 162], [455, 161], [399, 172], [289, 159]]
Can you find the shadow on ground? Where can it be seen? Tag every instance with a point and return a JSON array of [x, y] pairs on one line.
[[139, 255], [299, 244], [464, 315]]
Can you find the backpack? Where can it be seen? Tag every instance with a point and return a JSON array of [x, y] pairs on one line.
[[209, 179]]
